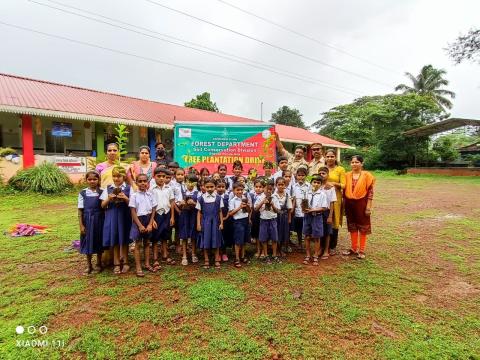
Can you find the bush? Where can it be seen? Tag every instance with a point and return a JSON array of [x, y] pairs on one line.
[[46, 178], [7, 151]]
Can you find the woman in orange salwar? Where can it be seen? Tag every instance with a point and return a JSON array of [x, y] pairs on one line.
[[358, 196]]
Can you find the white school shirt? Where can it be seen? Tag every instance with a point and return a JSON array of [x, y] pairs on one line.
[[143, 202], [233, 204], [163, 195], [177, 190], [207, 199], [88, 193], [267, 214], [277, 174], [317, 199], [231, 194], [331, 195], [299, 192], [281, 200], [104, 195]]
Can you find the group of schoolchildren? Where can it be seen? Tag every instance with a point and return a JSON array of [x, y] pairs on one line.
[[211, 213]]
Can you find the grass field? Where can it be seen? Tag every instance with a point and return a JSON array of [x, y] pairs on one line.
[[417, 295]]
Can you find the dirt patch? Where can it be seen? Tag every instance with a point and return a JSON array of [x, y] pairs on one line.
[[379, 329], [81, 314], [457, 288]]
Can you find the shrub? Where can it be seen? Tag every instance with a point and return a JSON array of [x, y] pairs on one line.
[[45, 178], [7, 151]]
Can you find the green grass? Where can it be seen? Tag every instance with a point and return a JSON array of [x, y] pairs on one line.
[[400, 303]]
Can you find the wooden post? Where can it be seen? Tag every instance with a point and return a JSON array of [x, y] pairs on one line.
[[100, 140], [27, 142]]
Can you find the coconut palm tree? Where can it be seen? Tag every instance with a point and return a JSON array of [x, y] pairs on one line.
[[429, 82]]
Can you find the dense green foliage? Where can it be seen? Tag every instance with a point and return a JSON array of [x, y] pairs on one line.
[[45, 178], [203, 102], [375, 126], [288, 116]]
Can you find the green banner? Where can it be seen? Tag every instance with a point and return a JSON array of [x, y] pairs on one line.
[[210, 144]]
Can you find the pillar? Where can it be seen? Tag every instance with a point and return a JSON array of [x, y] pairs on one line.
[[151, 143], [87, 135], [27, 142], [100, 140], [338, 155]]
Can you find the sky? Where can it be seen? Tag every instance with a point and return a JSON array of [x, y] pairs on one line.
[[359, 48]]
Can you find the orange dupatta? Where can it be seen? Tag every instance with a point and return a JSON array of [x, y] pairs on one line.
[[364, 182]]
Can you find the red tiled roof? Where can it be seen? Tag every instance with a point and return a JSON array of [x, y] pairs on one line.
[[297, 135], [37, 97]]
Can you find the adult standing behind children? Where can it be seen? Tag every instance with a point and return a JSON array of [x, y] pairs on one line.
[[294, 160], [318, 160], [142, 166], [105, 168], [358, 205], [336, 179]]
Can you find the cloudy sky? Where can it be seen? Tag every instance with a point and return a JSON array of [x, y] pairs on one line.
[[361, 48]]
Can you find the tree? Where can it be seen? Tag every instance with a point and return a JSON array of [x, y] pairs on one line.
[[375, 126], [288, 116], [466, 47], [429, 82], [445, 148], [203, 102]]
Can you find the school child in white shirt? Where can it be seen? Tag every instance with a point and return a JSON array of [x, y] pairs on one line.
[[164, 217], [239, 211], [187, 220], [210, 222], [284, 216], [313, 221], [282, 167], [299, 192], [269, 207], [268, 170], [142, 206], [91, 218], [328, 214]]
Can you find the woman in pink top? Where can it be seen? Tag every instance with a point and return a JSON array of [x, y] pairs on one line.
[[142, 166]]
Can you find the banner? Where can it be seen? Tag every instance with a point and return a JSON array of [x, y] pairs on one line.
[[69, 164], [210, 144]]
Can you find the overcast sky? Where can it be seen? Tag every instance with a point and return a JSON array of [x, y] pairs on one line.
[[385, 38]]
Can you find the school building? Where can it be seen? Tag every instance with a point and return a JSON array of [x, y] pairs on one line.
[[46, 121]]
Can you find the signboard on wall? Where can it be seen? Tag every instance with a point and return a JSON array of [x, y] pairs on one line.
[[210, 144], [70, 164], [62, 129]]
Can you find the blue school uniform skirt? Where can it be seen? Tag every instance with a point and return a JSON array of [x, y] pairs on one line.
[[268, 230], [187, 224], [93, 219], [211, 236], [118, 222], [283, 227]]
